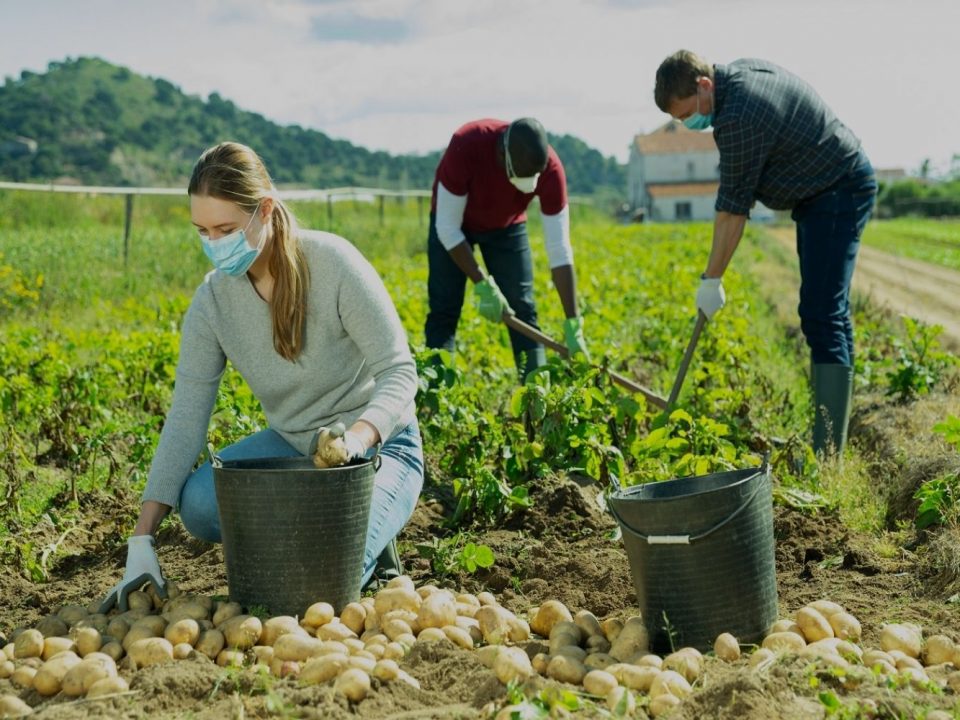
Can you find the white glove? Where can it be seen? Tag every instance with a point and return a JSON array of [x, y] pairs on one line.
[[142, 565], [710, 296]]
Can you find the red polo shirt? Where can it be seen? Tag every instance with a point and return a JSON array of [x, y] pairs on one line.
[[470, 167]]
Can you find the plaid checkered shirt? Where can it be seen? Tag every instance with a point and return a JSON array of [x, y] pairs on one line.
[[779, 142]]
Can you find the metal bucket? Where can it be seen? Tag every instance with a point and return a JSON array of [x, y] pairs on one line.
[[701, 552], [293, 534]]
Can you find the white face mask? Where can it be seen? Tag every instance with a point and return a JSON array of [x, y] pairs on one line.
[[523, 184]]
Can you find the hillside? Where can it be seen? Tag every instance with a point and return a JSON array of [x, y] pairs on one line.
[[95, 122]]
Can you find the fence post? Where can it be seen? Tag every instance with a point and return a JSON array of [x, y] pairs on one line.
[[128, 221]]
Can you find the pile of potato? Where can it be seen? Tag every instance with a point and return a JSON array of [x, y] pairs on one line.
[[81, 653]]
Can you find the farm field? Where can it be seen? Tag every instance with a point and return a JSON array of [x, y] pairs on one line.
[[87, 356]]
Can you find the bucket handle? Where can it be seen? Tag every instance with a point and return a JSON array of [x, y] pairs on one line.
[[217, 462], [687, 539]]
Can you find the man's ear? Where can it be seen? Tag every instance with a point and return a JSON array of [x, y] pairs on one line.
[[705, 83], [266, 208]]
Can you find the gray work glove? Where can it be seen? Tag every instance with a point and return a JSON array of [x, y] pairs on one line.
[[142, 566], [710, 296]]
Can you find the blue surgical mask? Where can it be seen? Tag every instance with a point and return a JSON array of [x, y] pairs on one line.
[[698, 121], [231, 253]]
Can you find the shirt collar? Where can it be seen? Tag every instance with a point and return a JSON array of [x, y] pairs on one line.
[[720, 76]]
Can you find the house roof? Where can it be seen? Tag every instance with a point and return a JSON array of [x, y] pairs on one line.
[[673, 137], [662, 190]]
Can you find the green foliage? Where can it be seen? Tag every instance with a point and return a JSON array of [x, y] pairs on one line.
[[931, 240], [102, 124], [918, 198], [455, 554], [920, 361], [940, 498], [950, 430]]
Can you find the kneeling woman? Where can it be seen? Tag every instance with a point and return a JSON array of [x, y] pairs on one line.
[[307, 322]]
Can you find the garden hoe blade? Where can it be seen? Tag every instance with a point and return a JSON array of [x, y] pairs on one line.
[[687, 356], [512, 321]]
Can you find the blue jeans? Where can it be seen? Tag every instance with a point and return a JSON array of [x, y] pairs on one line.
[[396, 488], [506, 253], [829, 226]]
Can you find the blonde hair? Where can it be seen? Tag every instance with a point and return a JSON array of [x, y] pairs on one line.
[[233, 172]]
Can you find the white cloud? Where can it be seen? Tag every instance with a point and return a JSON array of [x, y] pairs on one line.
[[409, 72]]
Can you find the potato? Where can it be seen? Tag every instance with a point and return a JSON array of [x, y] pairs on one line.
[[386, 670], [571, 651], [139, 600], [938, 649], [280, 625], [397, 598], [189, 610], [297, 648], [87, 640], [98, 621], [49, 678], [726, 647], [458, 636], [826, 607], [540, 662], [242, 632], [27, 644], [786, 625], [72, 614], [784, 642], [354, 616], [113, 649], [903, 637], [52, 626], [588, 623], [550, 613], [23, 676], [55, 645], [599, 682], [371, 622], [845, 626], [570, 629], [376, 650], [597, 644], [599, 661], [437, 610], [363, 663], [762, 657], [669, 682], [335, 631], [472, 626], [137, 632], [494, 622], [186, 631], [621, 702], [320, 613], [107, 686], [813, 624], [611, 628], [6, 669], [512, 664], [487, 654], [83, 675], [11, 706], [662, 704], [635, 677], [232, 658], [487, 598], [651, 660], [632, 641], [872, 657], [908, 662], [150, 651], [686, 661], [566, 669], [432, 634], [118, 628], [8, 650], [354, 684], [318, 670], [225, 612]]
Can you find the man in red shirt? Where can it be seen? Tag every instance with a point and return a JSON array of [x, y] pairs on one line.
[[488, 175]]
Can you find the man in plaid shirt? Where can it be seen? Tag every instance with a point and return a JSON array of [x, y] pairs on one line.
[[780, 144]]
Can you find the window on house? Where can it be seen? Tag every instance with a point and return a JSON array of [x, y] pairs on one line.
[[684, 211]]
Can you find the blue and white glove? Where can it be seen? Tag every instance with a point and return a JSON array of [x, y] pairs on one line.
[[710, 296], [142, 566]]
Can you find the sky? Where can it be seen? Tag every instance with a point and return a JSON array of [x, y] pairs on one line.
[[402, 75]]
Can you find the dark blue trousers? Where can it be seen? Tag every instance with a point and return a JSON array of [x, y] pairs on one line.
[[829, 226], [506, 254]]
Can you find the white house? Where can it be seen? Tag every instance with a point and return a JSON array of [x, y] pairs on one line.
[[673, 173]]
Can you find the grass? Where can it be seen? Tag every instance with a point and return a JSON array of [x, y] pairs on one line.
[[931, 240]]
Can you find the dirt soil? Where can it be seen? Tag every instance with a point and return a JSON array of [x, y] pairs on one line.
[[921, 290], [561, 548]]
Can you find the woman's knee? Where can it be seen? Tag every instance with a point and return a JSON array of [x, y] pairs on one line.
[[198, 510]]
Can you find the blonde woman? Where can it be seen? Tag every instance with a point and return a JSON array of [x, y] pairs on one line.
[[307, 322]]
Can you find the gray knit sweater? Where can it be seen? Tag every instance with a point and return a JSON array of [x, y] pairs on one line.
[[355, 363]]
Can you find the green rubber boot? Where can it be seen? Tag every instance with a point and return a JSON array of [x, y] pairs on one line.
[[832, 396], [388, 567]]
